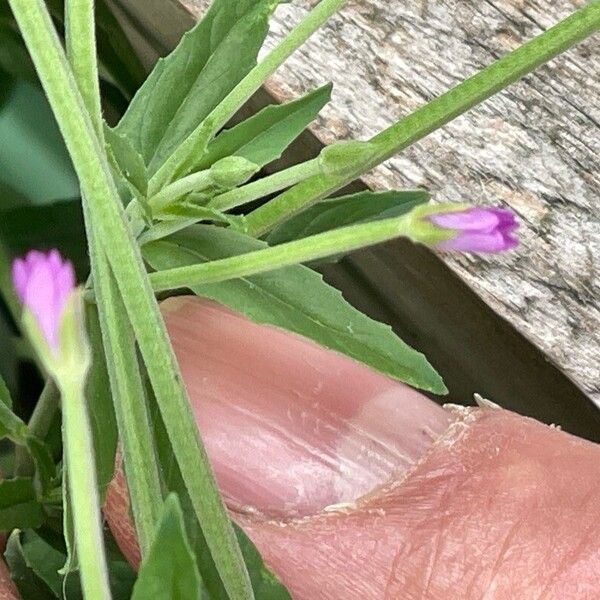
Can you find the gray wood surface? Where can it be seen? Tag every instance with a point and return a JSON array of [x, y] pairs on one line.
[[534, 148]]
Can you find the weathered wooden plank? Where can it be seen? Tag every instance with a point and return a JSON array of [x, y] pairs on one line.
[[534, 148]]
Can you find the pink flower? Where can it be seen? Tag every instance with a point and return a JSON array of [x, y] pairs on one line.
[[478, 229], [43, 282]]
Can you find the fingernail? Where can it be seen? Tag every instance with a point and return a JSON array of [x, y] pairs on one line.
[[291, 427]]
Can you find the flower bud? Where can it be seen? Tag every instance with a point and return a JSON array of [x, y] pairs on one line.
[[45, 284], [477, 229], [42, 283]]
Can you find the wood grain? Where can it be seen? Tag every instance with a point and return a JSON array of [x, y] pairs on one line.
[[534, 148]]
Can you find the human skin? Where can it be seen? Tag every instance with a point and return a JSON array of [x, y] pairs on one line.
[[8, 590], [354, 486]]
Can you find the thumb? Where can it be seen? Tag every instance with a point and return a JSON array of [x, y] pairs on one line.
[[355, 486]]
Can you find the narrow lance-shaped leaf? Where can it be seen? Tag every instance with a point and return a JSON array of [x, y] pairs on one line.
[[263, 137], [169, 571], [297, 299], [130, 162], [100, 405], [19, 505], [35, 559], [183, 157], [28, 582], [42, 558], [183, 88], [13, 428], [347, 210]]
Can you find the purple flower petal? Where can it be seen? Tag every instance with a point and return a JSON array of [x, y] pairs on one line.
[[43, 283], [33, 257], [473, 219], [20, 273], [55, 260], [477, 229], [64, 282], [505, 216], [39, 299], [475, 242]]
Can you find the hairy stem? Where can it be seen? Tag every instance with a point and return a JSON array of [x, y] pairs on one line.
[[267, 185], [433, 115], [344, 239], [105, 207], [196, 182], [119, 343], [131, 411], [80, 38], [83, 489]]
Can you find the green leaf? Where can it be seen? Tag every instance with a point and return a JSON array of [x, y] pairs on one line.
[[297, 299], [264, 583], [181, 215], [346, 210], [100, 405], [29, 584], [131, 164], [5, 397], [36, 558], [19, 507], [190, 210], [35, 163], [12, 427], [169, 571], [45, 470], [183, 88], [42, 558], [263, 137]]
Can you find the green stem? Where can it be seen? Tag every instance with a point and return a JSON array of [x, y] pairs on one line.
[[119, 344], [434, 115], [196, 182], [344, 239], [106, 210], [80, 38], [39, 424], [133, 421], [265, 186], [83, 489], [165, 229], [194, 144]]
